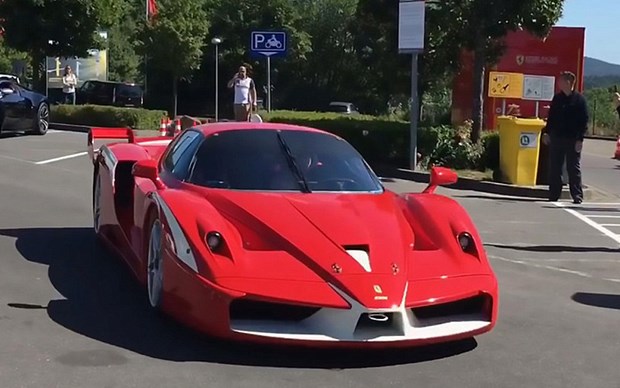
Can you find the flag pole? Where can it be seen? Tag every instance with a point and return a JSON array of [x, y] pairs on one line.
[[146, 3]]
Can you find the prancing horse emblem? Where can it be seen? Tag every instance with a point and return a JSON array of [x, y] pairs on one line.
[[378, 289]]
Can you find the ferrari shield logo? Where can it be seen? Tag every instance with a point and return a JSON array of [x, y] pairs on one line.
[[520, 59], [378, 289]]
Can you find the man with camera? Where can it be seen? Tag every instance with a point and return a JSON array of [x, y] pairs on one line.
[[245, 94]]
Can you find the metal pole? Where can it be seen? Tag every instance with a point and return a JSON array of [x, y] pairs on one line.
[[268, 83], [537, 109], [413, 155], [216, 84], [146, 12]]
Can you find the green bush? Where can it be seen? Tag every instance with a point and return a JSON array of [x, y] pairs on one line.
[[452, 147], [381, 139], [377, 139], [106, 116], [490, 144]]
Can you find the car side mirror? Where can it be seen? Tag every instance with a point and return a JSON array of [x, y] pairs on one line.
[[147, 168], [440, 176]]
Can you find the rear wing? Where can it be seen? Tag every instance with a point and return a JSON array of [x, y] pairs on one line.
[[107, 133]]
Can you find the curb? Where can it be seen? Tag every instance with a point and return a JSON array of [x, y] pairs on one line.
[[70, 127], [470, 184], [599, 137]]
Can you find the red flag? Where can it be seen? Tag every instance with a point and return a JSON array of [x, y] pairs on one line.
[[151, 8]]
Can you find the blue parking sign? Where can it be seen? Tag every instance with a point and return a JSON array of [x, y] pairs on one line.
[[268, 43]]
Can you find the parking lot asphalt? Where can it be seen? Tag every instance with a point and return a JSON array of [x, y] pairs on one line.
[[71, 316]]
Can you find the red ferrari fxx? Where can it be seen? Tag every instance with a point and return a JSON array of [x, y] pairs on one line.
[[280, 233]]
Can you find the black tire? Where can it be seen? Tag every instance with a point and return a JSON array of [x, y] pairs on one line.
[[42, 120]]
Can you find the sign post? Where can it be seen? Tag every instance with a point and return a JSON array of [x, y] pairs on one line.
[[411, 41], [268, 44]]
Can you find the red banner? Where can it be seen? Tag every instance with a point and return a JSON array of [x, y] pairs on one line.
[[151, 8]]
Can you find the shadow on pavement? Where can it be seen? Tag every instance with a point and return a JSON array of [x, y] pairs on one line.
[[608, 301], [554, 248], [103, 302]]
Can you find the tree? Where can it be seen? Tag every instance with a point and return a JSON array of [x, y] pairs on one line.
[[235, 21], [9, 57], [386, 74], [327, 24], [29, 26], [484, 24], [174, 39]]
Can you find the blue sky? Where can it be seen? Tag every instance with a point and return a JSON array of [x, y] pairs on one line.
[[600, 18]]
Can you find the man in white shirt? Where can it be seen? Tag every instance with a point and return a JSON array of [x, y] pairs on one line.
[[245, 94]]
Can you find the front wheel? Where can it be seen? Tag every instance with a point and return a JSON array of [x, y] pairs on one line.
[[42, 119], [154, 267]]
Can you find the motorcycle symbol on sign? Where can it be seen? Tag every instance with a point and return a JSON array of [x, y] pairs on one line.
[[273, 42]]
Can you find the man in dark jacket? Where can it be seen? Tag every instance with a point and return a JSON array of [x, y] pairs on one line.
[[564, 133]]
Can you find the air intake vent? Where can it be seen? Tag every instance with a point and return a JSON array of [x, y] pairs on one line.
[[361, 254]]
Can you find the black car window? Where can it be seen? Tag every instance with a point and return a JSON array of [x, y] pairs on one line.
[[129, 91], [178, 160], [270, 160]]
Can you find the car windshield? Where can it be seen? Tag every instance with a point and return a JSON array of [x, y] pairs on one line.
[[270, 160]]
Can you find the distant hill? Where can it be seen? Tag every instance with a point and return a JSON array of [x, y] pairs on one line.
[[600, 74], [597, 68]]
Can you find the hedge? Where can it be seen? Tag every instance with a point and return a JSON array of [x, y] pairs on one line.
[[106, 116], [382, 139], [378, 139]]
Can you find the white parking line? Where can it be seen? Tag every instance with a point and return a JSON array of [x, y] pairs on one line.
[[62, 158], [593, 224], [549, 267]]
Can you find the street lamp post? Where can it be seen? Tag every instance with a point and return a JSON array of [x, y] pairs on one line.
[[216, 42]]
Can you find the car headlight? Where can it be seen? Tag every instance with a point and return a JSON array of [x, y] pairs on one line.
[[466, 241], [213, 240]]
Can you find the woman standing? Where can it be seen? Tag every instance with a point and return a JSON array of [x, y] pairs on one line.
[[69, 81]]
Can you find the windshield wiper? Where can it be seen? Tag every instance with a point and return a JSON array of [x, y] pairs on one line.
[[293, 164]]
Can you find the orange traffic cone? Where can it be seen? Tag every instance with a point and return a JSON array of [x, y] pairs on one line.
[[177, 126], [163, 129]]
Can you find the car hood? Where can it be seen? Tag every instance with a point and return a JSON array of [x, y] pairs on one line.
[[320, 229]]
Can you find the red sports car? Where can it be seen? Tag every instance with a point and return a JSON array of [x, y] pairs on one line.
[[281, 233]]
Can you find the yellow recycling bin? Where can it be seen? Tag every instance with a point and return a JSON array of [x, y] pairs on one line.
[[519, 149]]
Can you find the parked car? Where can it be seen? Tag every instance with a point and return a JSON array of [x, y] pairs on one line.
[[279, 233], [21, 109], [342, 107], [110, 93]]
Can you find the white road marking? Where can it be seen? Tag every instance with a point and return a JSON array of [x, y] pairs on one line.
[[15, 159], [610, 225], [593, 224], [62, 158], [599, 216], [541, 266]]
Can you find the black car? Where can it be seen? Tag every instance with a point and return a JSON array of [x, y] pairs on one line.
[[110, 93], [21, 109]]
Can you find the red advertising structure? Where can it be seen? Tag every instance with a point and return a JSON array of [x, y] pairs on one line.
[[526, 57]]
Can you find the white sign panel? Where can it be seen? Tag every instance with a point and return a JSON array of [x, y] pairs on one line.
[[528, 140], [538, 87], [411, 26]]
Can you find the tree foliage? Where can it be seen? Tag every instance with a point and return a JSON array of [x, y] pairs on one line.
[[483, 26], [70, 25], [174, 40]]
